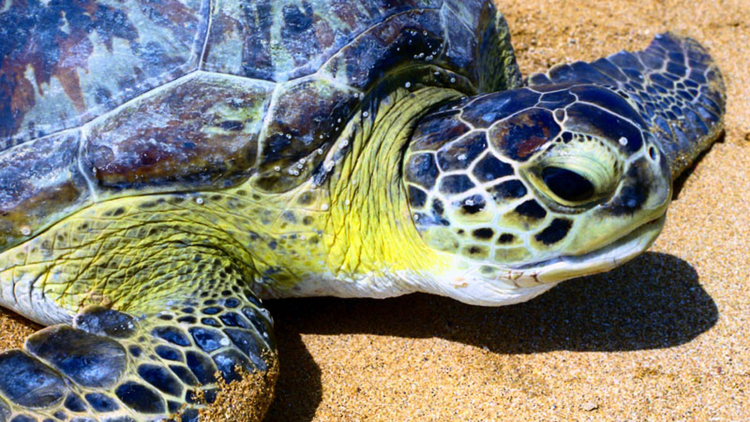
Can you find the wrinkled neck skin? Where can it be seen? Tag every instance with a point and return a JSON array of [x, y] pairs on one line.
[[372, 246]]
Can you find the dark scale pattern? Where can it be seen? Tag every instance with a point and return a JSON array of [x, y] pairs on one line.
[[490, 168], [106, 322], [27, 382], [169, 353], [555, 232], [184, 375], [161, 378], [173, 406], [455, 184], [422, 170], [460, 154], [211, 310], [228, 362], [523, 134], [201, 366], [438, 207], [593, 120], [417, 197], [140, 398], [89, 360], [508, 190], [248, 342], [211, 322], [102, 403], [172, 360], [673, 78], [472, 205], [135, 351], [483, 234], [171, 334], [532, 210], [75, 404], [207, 339], [233, 319], [436, 129], [484, 111], [261, 322], [505, 238]]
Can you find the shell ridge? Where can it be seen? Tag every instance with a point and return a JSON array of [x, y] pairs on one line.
[[263, 135], [362, 33], [90, 182], [11, 146], [163, 87], [177, 81], [202, 53], [446, 34], [446, 5]]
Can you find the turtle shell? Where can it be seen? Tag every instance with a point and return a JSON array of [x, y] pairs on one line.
[[107, 98]]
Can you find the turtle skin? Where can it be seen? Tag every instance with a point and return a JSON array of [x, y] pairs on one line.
[[101, 101], [472, 162], [164, 165]]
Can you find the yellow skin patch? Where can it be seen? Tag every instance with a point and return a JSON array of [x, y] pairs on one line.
[[136, 253]]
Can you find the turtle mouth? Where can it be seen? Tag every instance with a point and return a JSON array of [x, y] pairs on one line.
[[614, 254]]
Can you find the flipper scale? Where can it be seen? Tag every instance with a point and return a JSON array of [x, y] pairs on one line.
[[113, 366]]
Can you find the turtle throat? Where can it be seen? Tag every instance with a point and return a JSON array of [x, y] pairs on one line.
[[373, 239]]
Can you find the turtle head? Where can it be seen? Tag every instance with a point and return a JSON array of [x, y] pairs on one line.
[[526, 188]]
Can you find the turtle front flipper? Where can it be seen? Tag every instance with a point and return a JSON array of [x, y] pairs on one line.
[[116, 366], [673, 84]]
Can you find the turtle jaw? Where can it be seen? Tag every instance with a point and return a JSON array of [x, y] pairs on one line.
[[517, 284], [606, 258]]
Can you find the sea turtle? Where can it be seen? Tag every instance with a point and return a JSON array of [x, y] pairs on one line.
[[164, 165]]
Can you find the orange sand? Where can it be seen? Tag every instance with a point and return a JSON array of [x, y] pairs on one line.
[[666, 337]]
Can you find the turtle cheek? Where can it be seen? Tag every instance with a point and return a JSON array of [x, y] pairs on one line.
[[644, 192], [519, 137], [642, 196]]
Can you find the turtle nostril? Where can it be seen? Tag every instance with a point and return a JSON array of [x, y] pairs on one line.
[[653, 153], [568, 185]]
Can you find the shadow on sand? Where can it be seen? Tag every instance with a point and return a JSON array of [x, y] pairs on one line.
[[655, 301]]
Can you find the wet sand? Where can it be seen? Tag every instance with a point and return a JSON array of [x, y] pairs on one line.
[[663, 338]]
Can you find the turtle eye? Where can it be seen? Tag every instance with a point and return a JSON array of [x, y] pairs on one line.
[[574, 176], [568, 185]]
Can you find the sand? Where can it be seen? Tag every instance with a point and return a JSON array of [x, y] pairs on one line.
[[666, 337]]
